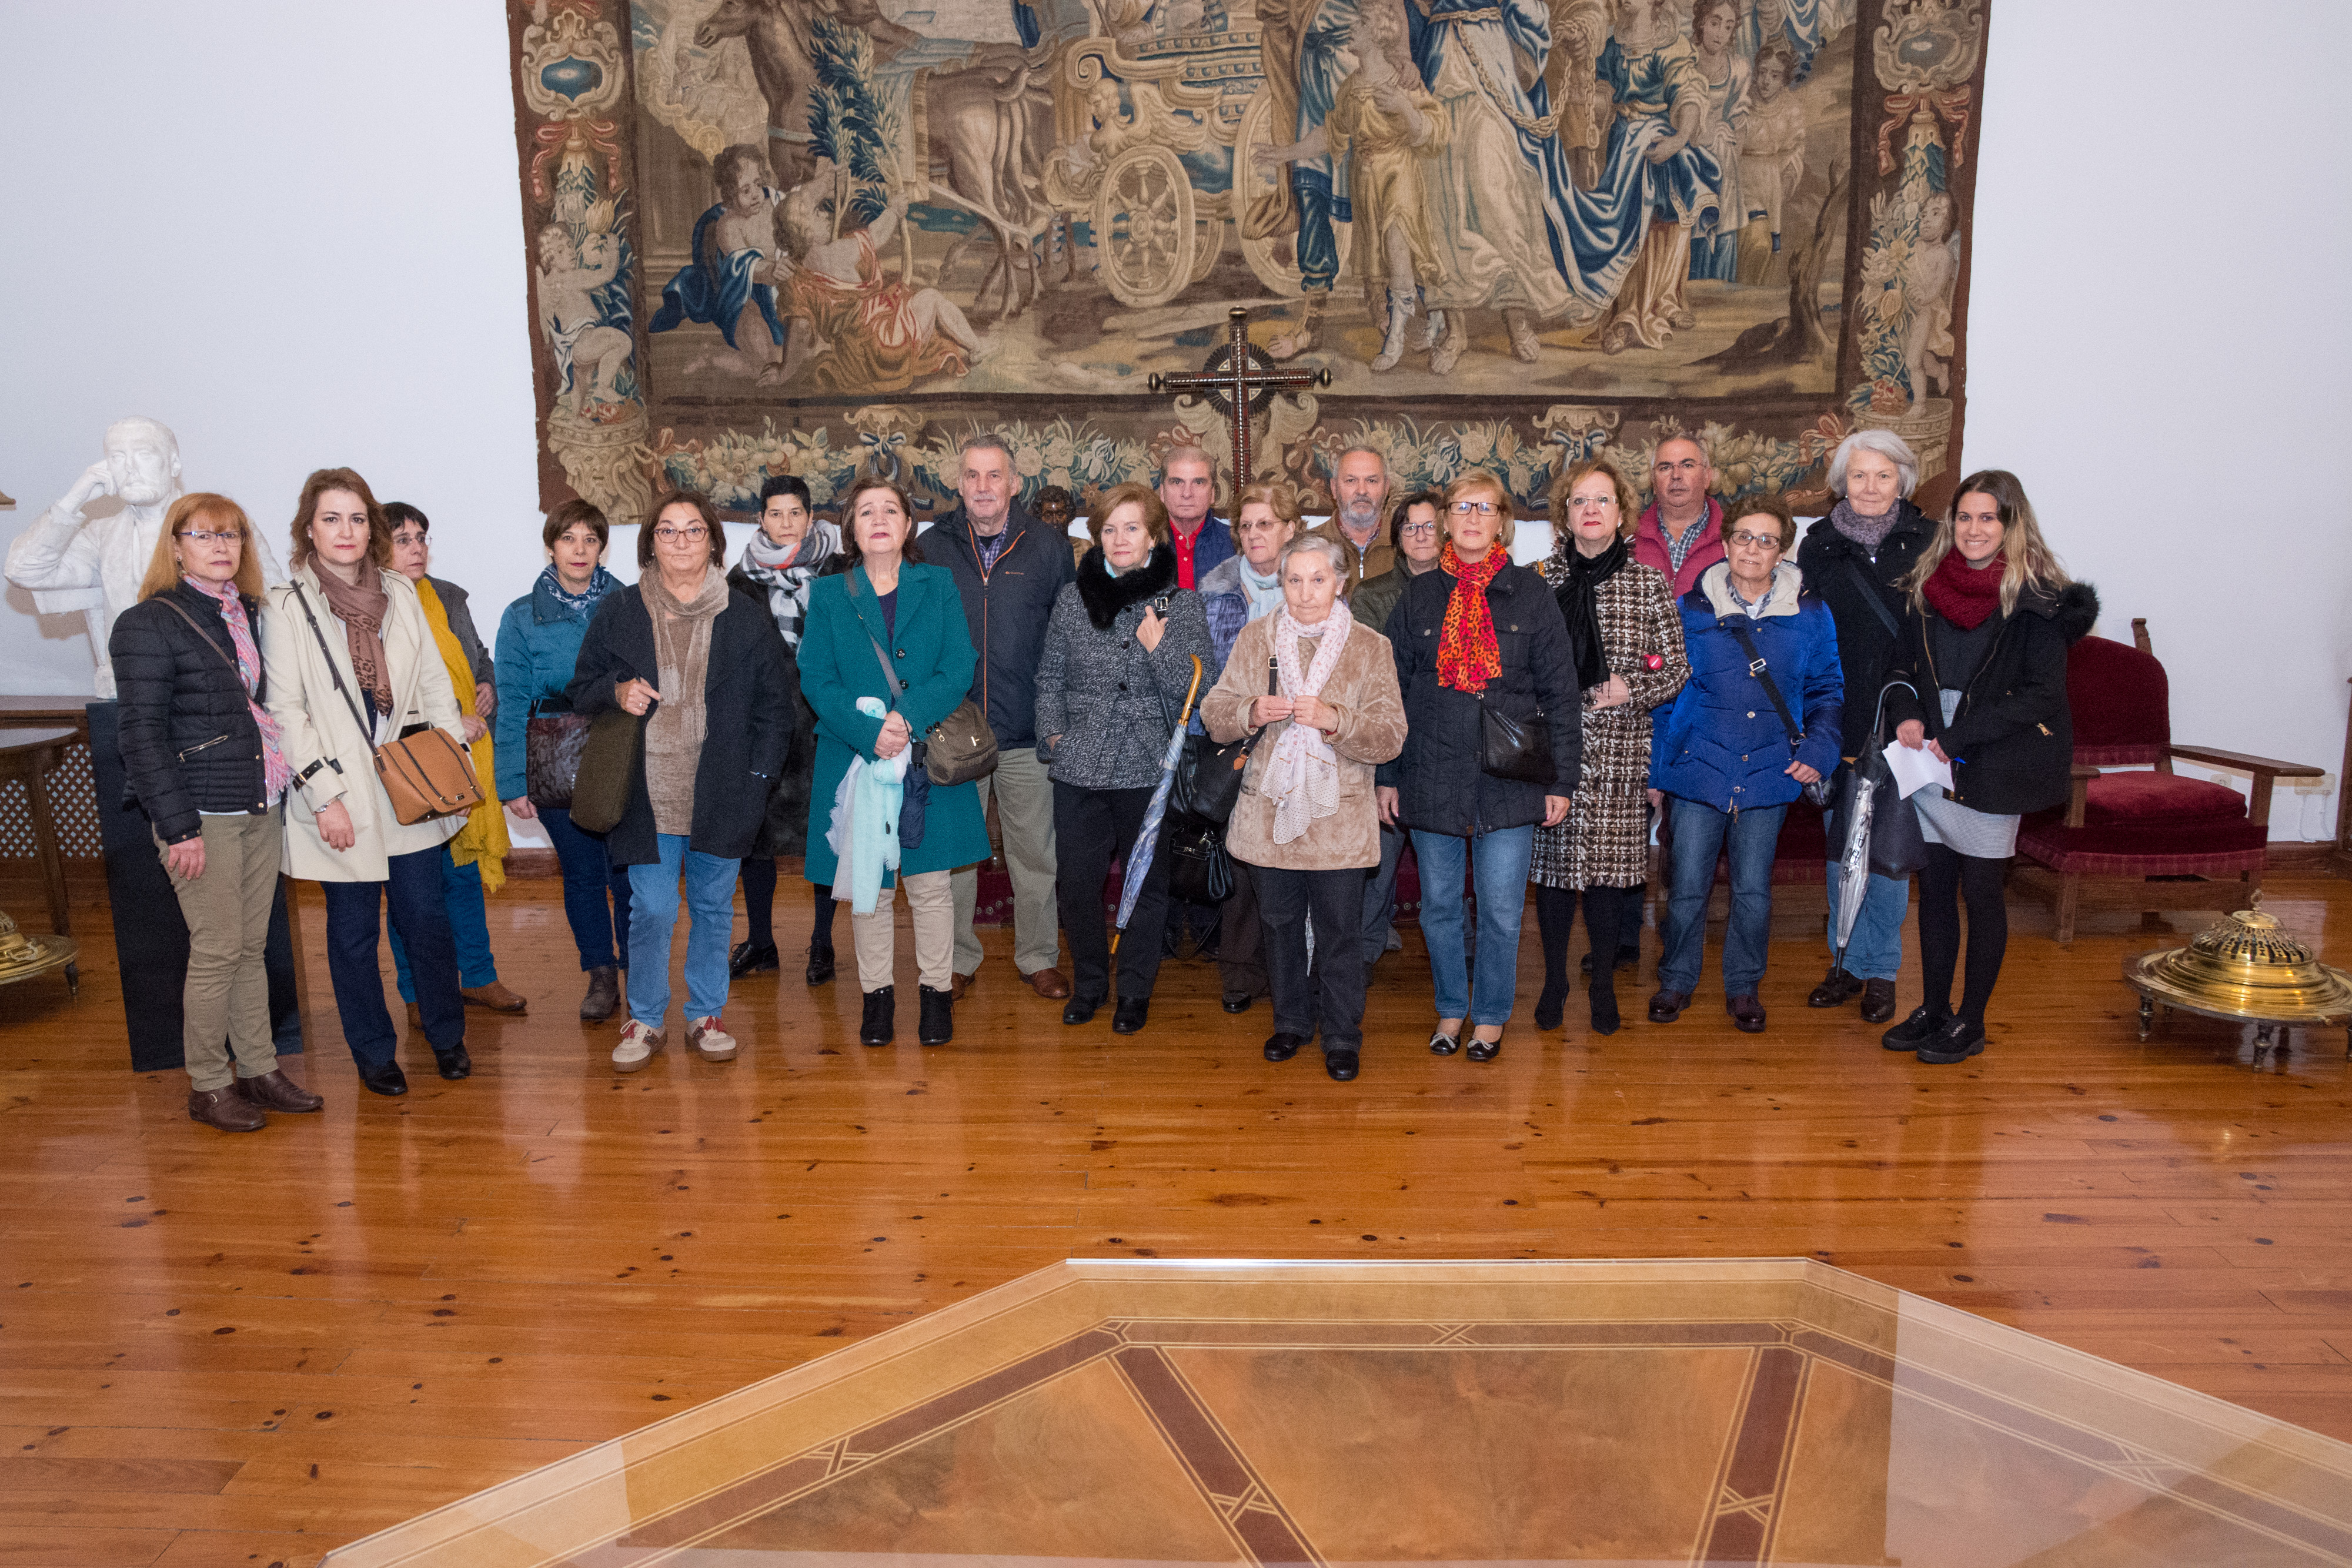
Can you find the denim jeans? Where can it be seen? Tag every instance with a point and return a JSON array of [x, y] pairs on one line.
[[652, 919], [1379, 897], [1875, 952], [469, 929], [602, 935], [420, 912], [1498, 863], [1700, 834]]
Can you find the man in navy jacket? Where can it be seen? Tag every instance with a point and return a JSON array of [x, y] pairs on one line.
[[1010, 568]]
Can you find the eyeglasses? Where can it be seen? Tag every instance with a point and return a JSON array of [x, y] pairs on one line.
[[1757, 541], [671, 536], [1424, 529], [1463, 508], [206, 536]]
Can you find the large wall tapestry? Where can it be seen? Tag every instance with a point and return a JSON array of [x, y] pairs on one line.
[[803, 236]]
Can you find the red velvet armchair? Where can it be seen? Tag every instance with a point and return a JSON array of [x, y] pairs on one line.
[[2144, 841]]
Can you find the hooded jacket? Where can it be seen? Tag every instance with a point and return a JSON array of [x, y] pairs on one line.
[[2011, 739], [1722, 743]]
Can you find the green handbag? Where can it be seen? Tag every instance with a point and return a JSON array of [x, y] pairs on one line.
[[609, 762]]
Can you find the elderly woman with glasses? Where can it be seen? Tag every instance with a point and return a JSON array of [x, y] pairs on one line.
[[1479, 639], [704, 667], [1855, 561], [1757, 723]]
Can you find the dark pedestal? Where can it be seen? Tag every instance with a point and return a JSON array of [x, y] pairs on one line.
[[150, 939]]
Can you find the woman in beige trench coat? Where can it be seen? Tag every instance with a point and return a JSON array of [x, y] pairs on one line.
[[1307, 832], [352, 664]]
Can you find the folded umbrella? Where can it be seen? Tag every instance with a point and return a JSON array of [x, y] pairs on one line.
[[1147, 837], [1863, 793]]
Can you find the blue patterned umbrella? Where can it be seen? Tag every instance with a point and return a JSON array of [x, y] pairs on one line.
[[1147, 837]]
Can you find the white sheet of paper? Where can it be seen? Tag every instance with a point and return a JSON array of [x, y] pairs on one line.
[[1911, 769]]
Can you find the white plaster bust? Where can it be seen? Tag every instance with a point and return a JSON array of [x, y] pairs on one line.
[[72, 563]]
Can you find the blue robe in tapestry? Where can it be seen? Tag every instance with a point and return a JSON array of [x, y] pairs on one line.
[[1612, 216], [715, 290]]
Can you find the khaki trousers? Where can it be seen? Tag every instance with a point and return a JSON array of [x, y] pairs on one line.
[[1025, 812], [932, 903], [225, 1001]]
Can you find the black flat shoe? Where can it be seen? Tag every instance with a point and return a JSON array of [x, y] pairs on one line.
[[1667, 1006], [1837, 988], [1957, 1040], [1283, 1047], [820, 964], [1913, 1031], [1444, 1044], [385, 1079], [1081, 1010], [1485, 1050], [1339, 1065], [454, 1065], [1130, 1014], [1237, 1004], [1552, 1004], [880, 1025], [938, 1025], [1877, 1000], [747, 959]]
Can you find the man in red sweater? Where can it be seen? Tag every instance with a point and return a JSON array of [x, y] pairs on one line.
[[1681, 531]]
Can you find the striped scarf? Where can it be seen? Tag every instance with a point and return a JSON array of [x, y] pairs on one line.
[[274, 773]]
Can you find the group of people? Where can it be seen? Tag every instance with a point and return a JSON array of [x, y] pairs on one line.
[[1390, 680]]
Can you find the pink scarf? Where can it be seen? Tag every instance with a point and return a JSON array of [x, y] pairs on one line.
[[274, 774]]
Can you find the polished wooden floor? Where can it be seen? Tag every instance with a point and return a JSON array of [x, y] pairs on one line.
[[247, 1350]]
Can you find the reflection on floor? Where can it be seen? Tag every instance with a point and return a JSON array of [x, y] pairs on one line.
[[1712, 1413]]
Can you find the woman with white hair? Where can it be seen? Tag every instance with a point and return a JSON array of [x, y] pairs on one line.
[[1856, 560], [1307, 829]]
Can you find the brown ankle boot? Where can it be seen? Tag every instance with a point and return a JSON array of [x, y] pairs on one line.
[[273, 1091], [224, 1109]]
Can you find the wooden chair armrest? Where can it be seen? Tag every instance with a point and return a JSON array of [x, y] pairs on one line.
[[2078, 792], [2242, 763]]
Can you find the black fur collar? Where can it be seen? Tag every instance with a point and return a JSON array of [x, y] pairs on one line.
[[2076, 608], [1105, 595]]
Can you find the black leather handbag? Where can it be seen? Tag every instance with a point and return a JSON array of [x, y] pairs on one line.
[[553, 740], [1514, 748], [1200, 869], [1209, 776]]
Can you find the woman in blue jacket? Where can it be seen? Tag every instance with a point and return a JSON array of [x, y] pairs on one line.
[[1755, 723], [539, 644], [892, 604]]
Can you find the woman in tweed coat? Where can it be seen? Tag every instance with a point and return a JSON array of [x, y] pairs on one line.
[[1119, 654], [1627, 639]]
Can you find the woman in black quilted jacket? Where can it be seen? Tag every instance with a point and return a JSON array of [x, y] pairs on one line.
[[203, 757]]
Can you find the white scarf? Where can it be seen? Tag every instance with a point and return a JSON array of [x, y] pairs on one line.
[[1263, 595], [1302, 776]]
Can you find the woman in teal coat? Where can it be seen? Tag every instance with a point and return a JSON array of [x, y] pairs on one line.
[[891, 602]]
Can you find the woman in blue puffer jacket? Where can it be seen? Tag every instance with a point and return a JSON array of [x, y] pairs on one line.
[[1726, 754]]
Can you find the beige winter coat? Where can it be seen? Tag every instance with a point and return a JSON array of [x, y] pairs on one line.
[[1363, 689], [316, 722]]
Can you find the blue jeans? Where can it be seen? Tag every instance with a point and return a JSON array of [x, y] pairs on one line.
[[1380, 897], [469, 929], [1700, 834], [653, 900], [420, 912], [1498, 863], [601, 934], [1875, 952]]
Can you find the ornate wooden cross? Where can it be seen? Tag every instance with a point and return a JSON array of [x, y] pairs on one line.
[[1239, 380]]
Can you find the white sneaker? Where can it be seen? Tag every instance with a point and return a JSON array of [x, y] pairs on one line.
[[710, 1039], [637, 1046]]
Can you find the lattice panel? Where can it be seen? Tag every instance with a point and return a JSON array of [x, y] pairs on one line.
[[73, 799]]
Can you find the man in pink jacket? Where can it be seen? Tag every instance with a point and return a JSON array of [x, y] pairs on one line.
[[1681, 531]]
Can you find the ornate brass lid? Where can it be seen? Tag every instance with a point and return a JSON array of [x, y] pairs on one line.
[[2247, 965], [22, 955]]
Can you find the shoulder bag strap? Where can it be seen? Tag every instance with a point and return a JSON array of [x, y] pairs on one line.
[[889, 675], [366, 733], [1758, 668], [1870, 595], [202, 635]]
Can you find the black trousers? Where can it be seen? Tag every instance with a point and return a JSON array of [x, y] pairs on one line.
[[1335, 989], [1092, 828]]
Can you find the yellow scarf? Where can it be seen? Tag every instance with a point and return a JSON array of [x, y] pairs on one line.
[[484, 836]]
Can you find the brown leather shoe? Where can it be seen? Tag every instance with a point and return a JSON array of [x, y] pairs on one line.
[[1667, 1006], [495, 996], [1747, 1012], [958, 984], [273, 1091], [224, 1109], [1048, 984], [1877, 1000]]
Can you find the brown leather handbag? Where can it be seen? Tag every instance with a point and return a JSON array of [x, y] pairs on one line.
[[425, 773], [552, 738]]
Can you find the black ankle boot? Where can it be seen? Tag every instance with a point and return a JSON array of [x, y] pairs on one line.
[[1552, 1003], [820, 963], [880, 1027], [1604, 1006], [938, 1025]]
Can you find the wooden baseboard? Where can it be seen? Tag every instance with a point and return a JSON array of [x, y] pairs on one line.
[[2315, 857]]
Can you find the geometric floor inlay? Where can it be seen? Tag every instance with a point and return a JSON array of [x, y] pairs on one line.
[[1778, 1412]]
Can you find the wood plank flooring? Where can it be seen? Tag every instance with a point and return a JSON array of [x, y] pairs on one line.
[[247, 1350]]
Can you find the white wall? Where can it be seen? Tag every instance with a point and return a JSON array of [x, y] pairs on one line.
[[291, 233]]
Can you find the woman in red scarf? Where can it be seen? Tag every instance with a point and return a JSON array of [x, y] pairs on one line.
[[1479, 633], [1984, 653]]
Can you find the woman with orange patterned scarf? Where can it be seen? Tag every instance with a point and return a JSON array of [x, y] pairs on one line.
[[1478, 637]]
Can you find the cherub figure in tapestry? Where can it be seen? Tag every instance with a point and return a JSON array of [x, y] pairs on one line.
[[877, 334], [1771, 162], [729, 284], [591, 350], [1715, 240], [1387, 129]]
